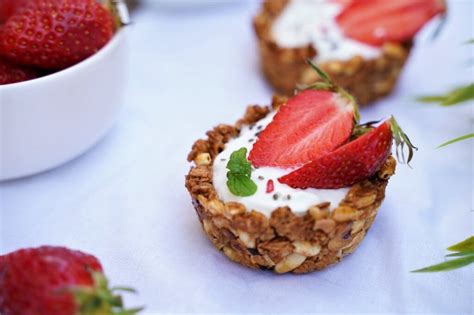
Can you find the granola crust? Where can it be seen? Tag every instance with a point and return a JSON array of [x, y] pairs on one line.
[[285, 68], [284, 242]]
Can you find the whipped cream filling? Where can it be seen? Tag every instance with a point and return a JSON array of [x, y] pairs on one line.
[[304, 22], [299, 200]]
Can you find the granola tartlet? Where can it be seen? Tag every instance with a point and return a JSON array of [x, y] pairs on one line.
[[282, 241], [367, 72]]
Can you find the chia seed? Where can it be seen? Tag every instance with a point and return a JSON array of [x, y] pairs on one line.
[[276, 196], [261, 177]]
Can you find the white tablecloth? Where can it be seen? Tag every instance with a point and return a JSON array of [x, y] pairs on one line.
[[125, 200]]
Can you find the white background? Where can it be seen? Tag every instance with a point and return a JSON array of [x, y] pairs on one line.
[[125, 200]]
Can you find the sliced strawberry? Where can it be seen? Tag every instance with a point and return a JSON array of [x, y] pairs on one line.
[[347, 165], [378, 21], [310, 125], [342, 3]]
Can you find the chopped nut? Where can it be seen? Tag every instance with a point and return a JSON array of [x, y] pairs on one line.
[[246, 239], [234, 208], [207, 226], [335, 67], [318, 213], [203, 159], [388, 169], [325, 225], [307, 249], [215, 206], [348, 249], [357, 226], [338, 243], [344, 213], [232, 254], [289, 263], [365, 200]]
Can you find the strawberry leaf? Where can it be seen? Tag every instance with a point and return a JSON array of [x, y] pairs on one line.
[[100, 299], [466, 245], [402, 141], [456, 96], [468, 136], [468, 253], [239, 179], [320, 72], [329, 85], [448, 265], [465, 252]]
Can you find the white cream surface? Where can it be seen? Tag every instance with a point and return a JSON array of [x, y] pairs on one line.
[[304, 22], [299, 200]]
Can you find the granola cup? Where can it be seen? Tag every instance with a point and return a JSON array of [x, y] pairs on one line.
[[283, 242], [285, 68]]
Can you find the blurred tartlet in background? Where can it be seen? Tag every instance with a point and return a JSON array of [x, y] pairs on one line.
[[362, 45]]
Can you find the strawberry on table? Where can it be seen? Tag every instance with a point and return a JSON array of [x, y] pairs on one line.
[[55, 281], [378, 21], [311, 124], [12, 73], [55, 34]]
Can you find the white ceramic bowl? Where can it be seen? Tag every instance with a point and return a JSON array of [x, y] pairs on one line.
[[51, 120]]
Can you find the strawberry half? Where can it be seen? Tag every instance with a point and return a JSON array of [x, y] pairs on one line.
[[351, 163], [378, 21], [11, 73], [55, 34], [310, 125]]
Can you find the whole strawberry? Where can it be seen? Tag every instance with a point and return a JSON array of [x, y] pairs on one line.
[[55, 281], [55, 34], [11, 73], [8, 7]]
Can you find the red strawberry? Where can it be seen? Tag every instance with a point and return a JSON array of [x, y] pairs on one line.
[[347, 165], [11, 73], [55, 34], [54, 281], [378, 21], [8, 7], [310, 125]]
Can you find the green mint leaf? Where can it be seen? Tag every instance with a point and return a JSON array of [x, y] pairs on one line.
[[459, 95], [471, 135], [239, 179], [431, 99], [466, 245], [238, 163], [448, 265], [241, 185], [456, 96], [459, 254]]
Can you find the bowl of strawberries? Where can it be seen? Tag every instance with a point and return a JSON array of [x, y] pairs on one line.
[[62, 77]]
